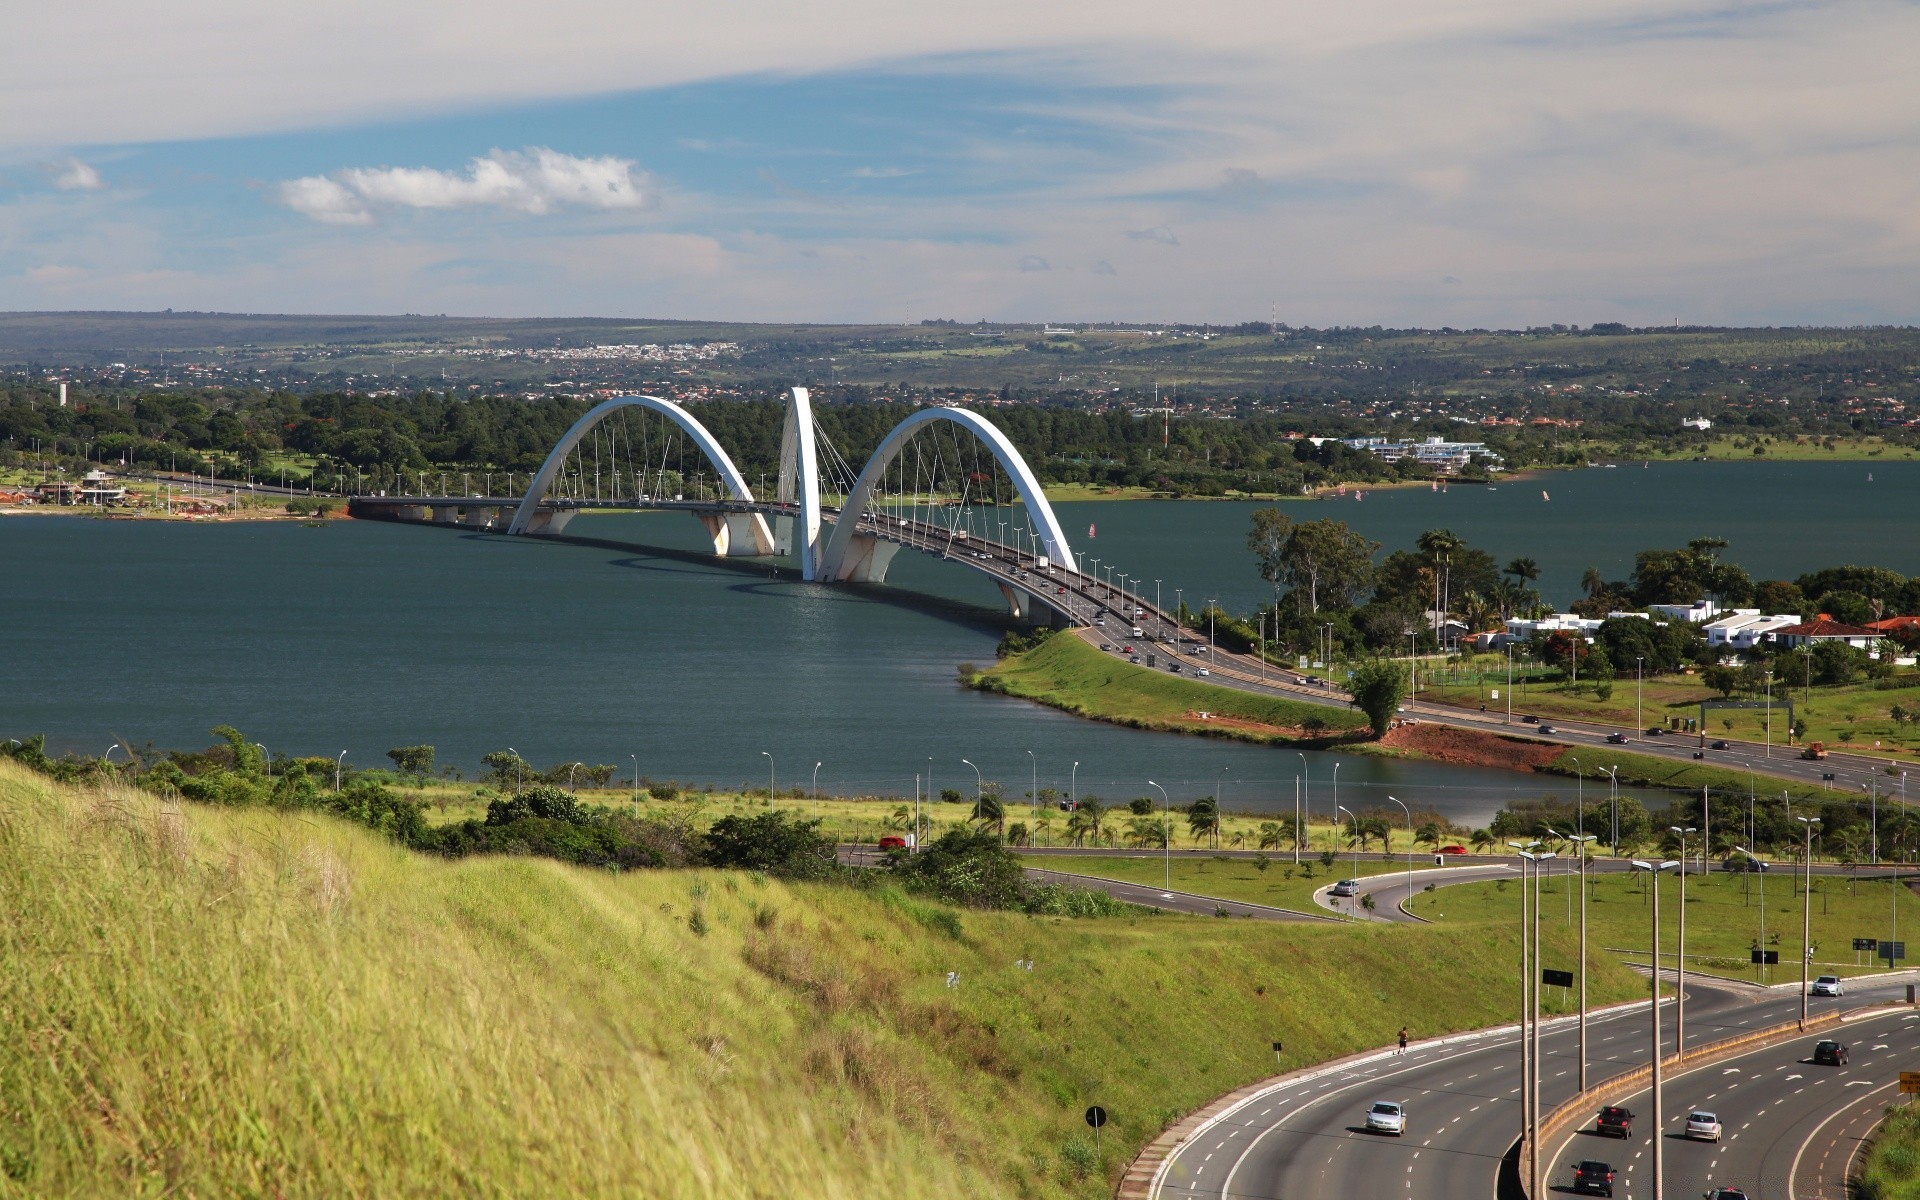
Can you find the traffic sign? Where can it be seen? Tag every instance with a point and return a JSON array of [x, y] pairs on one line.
[[1892, 950], [1909, 1083], [1096, 1116], [1554, 978], [1766, 957], [1866, 943]]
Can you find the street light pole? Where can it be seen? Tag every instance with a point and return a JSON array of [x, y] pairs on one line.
[[1034, 762], [1336, 802], [1580, 841], [1639, 681], [1806, 914], [1166, 833], [816, 791], [336, 769], [636, 783], [1302, 800], [1338, 808], [1680, 955], [1409, 812], [769, 758], [1659, 1122]]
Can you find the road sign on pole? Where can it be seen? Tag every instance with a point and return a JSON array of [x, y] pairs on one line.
[[1553, 978], [1892, 951], [1096, 1117], [1866, 944], [1766, 957], [1909, 1083]]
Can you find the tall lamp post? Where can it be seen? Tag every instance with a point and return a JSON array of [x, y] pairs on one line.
[[1303, 798], [1409, 812], [1166, 832], [1034, 795], [1659, 1122], [1530, 1013], [636, 783], [1806, 913], [1639, 682], [336, 769], [1680, 955], [1333, 842], [769, 757], [979, 791], [816, 791], [1353, 902], [1580, 841]]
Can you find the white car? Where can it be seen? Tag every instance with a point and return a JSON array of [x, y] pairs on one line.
[[1203, 672], [1387, 1117], [1828, 985], [1703, 1127], [1344, 887]]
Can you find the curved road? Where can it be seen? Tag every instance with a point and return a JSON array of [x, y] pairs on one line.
[[1304, 1137], [1790, 1126]]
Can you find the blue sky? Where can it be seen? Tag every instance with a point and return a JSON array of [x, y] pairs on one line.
[[1493, 163]]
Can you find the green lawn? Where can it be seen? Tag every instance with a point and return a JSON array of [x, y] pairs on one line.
[[1723, 916], [1067, 673]]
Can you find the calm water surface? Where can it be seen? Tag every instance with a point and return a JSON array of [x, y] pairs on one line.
[[363, 636]]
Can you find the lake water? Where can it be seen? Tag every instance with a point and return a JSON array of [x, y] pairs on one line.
[[361, 636]]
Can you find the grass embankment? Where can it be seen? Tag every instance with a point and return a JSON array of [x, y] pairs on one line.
[[1068, 674], [1683, 775], [1723, 917], [1892, 1169], [207, 1001]]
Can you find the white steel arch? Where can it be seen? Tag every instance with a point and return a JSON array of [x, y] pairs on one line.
[[800, 482], [722, 464], [834, 564]]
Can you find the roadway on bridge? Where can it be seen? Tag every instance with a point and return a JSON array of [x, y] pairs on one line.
[[1305, 1137]]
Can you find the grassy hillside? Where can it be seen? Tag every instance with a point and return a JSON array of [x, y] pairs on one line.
[[1065, 672], [208, 1001]]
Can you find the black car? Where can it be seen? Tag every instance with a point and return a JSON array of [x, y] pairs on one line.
[[1529, 719], [1617, 739], [1726, 1194], [1830, 1053], [1593, 1177], [1721, 746], [1656, 731], [1546, 728], [1614, 1121]]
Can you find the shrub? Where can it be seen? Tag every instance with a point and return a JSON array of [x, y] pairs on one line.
[[776, 842]]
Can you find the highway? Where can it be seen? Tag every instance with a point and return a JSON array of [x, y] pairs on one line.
[[1790, 1126], [1304, 1137]]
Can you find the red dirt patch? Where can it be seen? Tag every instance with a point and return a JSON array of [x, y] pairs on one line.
[[1470, 747], [1241, 723]]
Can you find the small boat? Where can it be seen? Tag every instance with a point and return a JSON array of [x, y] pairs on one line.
[[1544, 496]]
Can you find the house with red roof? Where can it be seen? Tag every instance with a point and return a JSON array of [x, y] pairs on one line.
[[1824, 628]]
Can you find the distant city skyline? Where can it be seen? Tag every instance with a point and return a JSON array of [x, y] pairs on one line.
[[1488, 164]]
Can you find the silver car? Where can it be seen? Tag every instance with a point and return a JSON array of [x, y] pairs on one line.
[[1387, 1117]]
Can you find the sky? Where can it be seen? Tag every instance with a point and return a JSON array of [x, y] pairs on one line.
[[1497, 163]]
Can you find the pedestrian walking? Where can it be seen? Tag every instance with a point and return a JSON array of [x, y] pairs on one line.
[[1403, 1039]]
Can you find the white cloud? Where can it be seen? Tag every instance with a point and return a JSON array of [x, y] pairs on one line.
[[76, 176], [1033, 262], [537, 180]]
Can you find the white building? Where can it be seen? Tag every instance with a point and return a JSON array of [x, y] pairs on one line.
[[1743, 628], [1700, 423], [1435, 452], [1699, 612]]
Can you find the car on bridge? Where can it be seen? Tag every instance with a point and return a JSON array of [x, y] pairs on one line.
[[1591, 1177], [1828, 985], [1703, 1126], [1829, 1053], [1726, 1194], [1387, 1117], [1614, 1121]]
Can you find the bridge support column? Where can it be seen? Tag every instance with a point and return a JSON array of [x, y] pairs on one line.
[[408, 512], [480, 518], [446, 514], [738, 535], [867, 559], [547, 522]]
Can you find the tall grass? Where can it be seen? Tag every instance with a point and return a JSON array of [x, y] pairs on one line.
[[214, 1002], [1892, 1169]]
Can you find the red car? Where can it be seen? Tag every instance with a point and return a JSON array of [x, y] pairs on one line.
[[1453, 849], [893, 841]]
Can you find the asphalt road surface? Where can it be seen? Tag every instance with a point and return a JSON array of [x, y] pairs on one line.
[[1785, 1119], [1305, 1138]]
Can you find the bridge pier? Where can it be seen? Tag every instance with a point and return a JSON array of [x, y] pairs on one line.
[[738, 535], [867, 559], [547, 522], [1026, 607], [480, 518]]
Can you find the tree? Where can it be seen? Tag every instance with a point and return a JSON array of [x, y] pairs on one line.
[[1775, 596], [989, 811], [509, 769], [1429, 834], [1272, 529], [1270, 835], [778, 842], [1147, 831], [1722, 678], [1203, 819], [1327, 564], [1378, 688], [416, 761]]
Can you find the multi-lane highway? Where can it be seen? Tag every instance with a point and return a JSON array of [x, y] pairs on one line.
[[1789, 1124], [1306, 1135]]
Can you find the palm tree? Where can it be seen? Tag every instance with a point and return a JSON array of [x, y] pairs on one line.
[[1483, 841], [900, 818], [1203, 819], [1146, 831], [1593, 583], [1019, 835], [1270, 835], [1428, 834], [1095, 814], [1078, 827], [1440, 545], [1525, 569], [989, 811], [1043, 825]]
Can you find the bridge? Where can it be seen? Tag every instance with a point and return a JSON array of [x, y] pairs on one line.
[[852, 539]]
